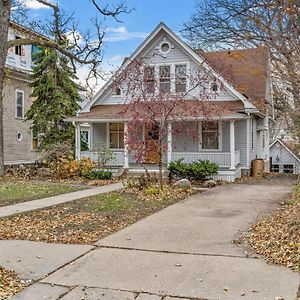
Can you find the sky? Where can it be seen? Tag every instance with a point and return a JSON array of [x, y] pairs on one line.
[[123, 38]]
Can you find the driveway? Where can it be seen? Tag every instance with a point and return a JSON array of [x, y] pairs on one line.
[[184, 251]]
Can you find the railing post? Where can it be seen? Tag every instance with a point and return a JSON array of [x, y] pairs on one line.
[[169, 140], [126, 152], [77, 141], [232, 146]]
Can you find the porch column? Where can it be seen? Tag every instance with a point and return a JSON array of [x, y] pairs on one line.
[[77, 141], [232, 146], [169, 140], [126, 152]]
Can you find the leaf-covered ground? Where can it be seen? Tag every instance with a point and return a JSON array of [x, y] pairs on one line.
[[277, 237], [12, 192], [87, 220], [10, 284]]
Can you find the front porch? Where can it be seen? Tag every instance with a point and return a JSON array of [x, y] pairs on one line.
[[231, 141]]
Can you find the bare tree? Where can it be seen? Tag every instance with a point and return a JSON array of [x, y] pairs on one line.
[[81, 49], [274, 24]]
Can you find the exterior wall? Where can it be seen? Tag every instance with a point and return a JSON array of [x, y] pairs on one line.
[[175, 56], [281, 156], [99, 135], [184, 142], [16, 151], [23, 61]]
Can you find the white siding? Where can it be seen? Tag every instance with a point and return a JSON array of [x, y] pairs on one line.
[[176, 56], [280, 155]]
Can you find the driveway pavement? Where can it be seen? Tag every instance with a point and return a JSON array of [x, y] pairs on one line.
[[184, 251]]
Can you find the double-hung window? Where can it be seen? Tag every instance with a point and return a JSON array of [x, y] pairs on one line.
[[165, 79], [116, 135], [19, 108], [150, 79], [180, 78], [210, 135]]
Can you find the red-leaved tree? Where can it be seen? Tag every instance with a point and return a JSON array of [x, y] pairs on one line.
[[155, 101]]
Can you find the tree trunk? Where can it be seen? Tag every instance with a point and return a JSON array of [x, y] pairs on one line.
[[5, 6]]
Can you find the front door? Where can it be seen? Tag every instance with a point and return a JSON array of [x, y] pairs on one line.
[[151, 145]]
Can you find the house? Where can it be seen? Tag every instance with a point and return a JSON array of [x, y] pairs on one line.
[[20, 143], [283, 159], [236, 84]]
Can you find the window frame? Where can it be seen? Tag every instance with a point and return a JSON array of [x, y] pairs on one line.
[[183, 77], [17, 91], [200, 136], [170, 78], [33, 137], [284, 168], [147, 79], [108, 140], [83, 129]]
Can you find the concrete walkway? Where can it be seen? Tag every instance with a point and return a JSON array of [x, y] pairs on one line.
[[50, 201], [182, 252]]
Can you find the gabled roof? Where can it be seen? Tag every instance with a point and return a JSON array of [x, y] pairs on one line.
[[245, 69], [284, 145], [196, 56]]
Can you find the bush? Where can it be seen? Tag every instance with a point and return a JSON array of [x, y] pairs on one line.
[[198, 170], [97, 174], [67, 167]]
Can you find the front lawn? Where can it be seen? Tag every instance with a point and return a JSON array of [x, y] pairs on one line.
[[12, 192], [87, 220]]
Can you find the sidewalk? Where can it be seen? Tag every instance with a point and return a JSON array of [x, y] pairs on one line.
[[45, 202]]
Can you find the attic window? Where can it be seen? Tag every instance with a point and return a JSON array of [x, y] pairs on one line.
[[118, 91], [214, 87], [165, 47]]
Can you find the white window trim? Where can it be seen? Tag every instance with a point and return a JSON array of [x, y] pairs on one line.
[[220, 123], [108, 138], [172, 73], [23, 104]]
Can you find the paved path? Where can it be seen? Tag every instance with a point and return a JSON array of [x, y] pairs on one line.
[[45, 202], [182, 252]]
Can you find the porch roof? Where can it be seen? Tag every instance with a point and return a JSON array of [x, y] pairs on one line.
[[196, 110]]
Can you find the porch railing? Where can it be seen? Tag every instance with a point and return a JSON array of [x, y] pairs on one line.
[[220, 158], [118, 155]]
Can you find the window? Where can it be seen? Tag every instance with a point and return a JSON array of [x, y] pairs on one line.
[[165, 79], [275, 168], [116, 135], [85, 140], [19, 113], [35, 140], [19, 136], [118, 91], [288, 169], [19, 49], [180, 78], [210, 135], [150, 79]]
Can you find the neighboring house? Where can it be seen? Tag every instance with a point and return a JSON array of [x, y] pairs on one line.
[[232, 139], [283, 159], [20, 143]]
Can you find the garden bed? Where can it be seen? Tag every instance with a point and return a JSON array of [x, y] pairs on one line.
[[87, 220], [277, 237]]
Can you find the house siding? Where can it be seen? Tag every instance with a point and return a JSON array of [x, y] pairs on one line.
[[281, 156], [16, 151]]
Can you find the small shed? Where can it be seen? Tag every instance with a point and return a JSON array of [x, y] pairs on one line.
[[283, 159]]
